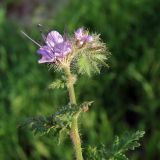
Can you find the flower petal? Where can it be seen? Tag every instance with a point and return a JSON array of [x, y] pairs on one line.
[[62, 49], [79, 33], [67, 48], [55, 49], [89, 39], [53, 38], [47, 55], [46, 60], [82, 37]]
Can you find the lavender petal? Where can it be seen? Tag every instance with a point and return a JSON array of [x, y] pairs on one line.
[[47, 54], [53, 38]]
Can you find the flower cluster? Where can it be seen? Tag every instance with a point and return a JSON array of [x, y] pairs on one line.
[[57, 47], [82, 37], [84, 53]]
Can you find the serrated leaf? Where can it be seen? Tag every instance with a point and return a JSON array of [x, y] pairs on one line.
[[92, 153], [118, 149], [120, 157], [62, 135], [57, 84], [56, 124]]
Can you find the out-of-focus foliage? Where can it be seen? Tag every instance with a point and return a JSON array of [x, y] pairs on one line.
[[24, 93], [126, 96]]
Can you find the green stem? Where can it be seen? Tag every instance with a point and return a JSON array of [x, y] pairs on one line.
[[76, 138], [70, 86], [74, 133]]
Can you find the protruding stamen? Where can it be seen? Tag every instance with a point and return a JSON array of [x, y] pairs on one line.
[[31, 39]]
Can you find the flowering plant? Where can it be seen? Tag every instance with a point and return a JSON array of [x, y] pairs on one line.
[[82, 53]]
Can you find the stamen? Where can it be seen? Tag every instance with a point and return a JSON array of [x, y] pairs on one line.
[[44, 37], [31, 39]]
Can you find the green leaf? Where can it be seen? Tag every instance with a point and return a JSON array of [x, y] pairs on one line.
[[58, 123], [62, 135], [92, 153], [119, 147], [37, 124], [120, 157], [57, 84]]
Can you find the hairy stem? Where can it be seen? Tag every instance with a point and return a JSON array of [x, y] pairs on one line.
[[74, 133], [70, 87], [76, 138]]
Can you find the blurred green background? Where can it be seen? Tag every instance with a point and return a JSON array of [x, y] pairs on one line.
[[127, 95]]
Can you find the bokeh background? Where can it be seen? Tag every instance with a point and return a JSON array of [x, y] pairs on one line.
[[127, 95]]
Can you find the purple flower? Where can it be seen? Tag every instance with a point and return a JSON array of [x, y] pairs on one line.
[[56, 48], [82, 37]]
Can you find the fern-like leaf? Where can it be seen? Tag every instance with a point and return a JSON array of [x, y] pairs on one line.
[[57, 84], [117, 151], [57, 123]]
